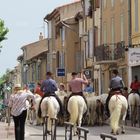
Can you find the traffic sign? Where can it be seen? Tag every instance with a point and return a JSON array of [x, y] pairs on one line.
[[60, 72], [88, 73]]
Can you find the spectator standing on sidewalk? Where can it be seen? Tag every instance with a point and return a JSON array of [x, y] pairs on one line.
[[17, 105], [38, 89]]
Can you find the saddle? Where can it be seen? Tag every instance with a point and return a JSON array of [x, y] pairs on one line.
[[115, 92]]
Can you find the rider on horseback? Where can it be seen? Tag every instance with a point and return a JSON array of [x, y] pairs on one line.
[[49, 87], [135, 85], [116, 86], [76, 85]]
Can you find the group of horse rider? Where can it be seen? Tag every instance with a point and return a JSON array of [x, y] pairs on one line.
[[75, 86], [49, 87], [117, 87]]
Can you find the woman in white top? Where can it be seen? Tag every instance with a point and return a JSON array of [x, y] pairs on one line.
[[17, 105]]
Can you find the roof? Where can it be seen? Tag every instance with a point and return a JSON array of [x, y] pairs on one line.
[[56, 10]]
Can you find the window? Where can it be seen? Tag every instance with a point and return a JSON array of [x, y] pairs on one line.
[[121, 1], [62, 35], [49, 29], [136, 16], [90, 43], [79, 61], [60, 59], [112, 30], [87, 5], [104, 4], [122, 27], [112, 3], [104, 33]]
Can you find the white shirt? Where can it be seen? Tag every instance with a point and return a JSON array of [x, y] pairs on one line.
[[17, 102]]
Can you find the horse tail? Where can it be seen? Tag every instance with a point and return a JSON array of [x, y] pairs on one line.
[[50, 108], [115, 115], [74, 107]]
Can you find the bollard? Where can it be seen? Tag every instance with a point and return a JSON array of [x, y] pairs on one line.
[[53, 128], [45, 121], [82, 133], [68, 128], [139, 115], [103, 136]]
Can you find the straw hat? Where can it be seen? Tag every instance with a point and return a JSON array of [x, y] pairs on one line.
[[17, 86]]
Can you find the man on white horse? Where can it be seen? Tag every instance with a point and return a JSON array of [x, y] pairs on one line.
[[116, 86], [76, 85], [49, 87]]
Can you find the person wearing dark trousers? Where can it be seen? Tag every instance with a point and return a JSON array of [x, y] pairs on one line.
[[116, 86], [49, 87], [17, 105], [19, 122]]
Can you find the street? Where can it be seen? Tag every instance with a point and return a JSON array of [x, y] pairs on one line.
[[35, 132]]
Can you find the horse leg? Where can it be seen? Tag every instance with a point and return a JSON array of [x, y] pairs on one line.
[[131, 114], [123, 122]]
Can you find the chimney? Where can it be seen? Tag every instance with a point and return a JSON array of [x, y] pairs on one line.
[[40, 36]]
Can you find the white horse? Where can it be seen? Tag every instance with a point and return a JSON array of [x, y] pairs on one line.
[[32, 114], [118, 109], [49, 107], [38, 120], [76, 107], [134, 102]]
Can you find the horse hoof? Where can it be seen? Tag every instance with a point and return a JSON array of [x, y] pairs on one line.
[[76, 133], [111, 132], [123, 132], [49, 132]]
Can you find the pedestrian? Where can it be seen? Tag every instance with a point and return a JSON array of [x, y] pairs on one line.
[[49, 87], [62, 87], [135, 85], [17, 105], [76, 85], [116, 86], [38, 89], [89, 88]]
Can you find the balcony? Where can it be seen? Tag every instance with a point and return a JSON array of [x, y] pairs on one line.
[[110, 52]]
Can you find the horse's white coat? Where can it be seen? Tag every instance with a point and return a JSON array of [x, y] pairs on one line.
[[76, 107], [134, 102], [50, 107], [118, 109]]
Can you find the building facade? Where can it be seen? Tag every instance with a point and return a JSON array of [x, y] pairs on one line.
[[64, 41], [34, 61], [111, 54]]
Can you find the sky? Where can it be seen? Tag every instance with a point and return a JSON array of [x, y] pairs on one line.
[[24, 19]]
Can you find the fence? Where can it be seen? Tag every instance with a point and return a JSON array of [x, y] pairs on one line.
[[104, 136]]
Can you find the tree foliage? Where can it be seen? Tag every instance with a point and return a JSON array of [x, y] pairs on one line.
[[5, 77], [3, 31]]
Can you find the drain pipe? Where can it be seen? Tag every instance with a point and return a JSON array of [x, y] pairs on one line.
[[129, 24]]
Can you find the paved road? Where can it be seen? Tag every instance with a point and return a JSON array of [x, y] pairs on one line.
[[35, 133], [94, 133]]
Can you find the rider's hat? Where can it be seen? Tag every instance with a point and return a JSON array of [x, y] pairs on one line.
[[73, 73]]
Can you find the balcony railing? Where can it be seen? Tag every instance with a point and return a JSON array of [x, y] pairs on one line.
[[110, 52]]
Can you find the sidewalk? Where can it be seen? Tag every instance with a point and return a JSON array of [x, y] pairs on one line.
[[6, 132]]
